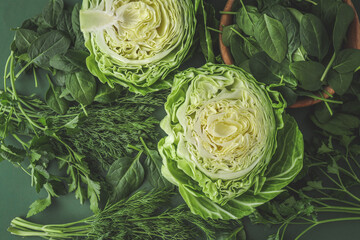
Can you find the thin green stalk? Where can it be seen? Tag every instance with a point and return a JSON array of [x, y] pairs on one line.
[[6, 69], [12, 77], [312, 2], [214, 30], [25, 145], [35, 78], [327, 221], [225, 12], [23, 69], [328, 67], [327, 105]]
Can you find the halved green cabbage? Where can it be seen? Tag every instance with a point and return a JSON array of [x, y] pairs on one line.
[[230, 146], [137, 43]]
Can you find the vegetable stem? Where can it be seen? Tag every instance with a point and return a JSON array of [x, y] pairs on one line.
[[328, 67]]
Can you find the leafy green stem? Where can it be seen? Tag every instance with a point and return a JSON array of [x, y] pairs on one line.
[[328, 67]]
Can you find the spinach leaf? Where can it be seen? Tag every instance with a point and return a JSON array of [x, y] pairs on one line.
[[251, 47], [296, 14], [75, 22], [53, 100], [60, 62], [344, 16], [268, 71], [153, 164], [299, 55], [347, 60], [47, 46], [24, 38], [77, 58], [327, 10], [82, 86], [271, 36], [228, 33], [340, 82], [65, 25], [290, 24], [52, 12], [125, 176], [313, 36], [237, 51], [246, 18], [107, 94], [308, 74], [289, 95], [340, 124]]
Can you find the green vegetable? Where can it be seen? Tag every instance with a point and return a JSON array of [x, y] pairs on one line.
[[347, 60], [139, 217], [82, 86], [344, 16], [228, 146], [137, 44], [247, 18], [308, 73], [271, 36], [313, 36]]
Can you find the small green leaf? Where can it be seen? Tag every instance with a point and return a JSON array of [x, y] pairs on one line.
[[246, 18], [82, 86], [340, 82], [271, 36], [228, 34], [308, 74], [52, 12], [24, 38], [347, 60], [53, 100], [313, 36], [38, 206], [125, 176], [344, 16], [46, 46]]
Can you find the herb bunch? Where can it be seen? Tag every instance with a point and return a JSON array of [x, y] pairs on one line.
[[141, 216]]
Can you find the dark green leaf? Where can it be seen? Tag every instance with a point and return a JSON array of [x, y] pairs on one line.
[[308, 74], [65, 25], [60, 62], [289, 95], [82, 86], [251, 47], [59, 78], [340, 82], [53, 100], [236, 48], [340, 124], [228, 33], [292, 27], [39, 206], [75, 20], [107, 94], [153, 165], [52, 12], [344, 16], [125, 176], [347, 60], [77, 58], [24, 38], [47, 46], [271, 36], [12, 154], [313, 36], [246, 19]]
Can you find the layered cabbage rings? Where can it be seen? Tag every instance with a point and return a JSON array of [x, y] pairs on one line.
[[229, 146], [136, 43]]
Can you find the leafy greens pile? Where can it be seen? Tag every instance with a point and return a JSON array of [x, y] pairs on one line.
[[297, 43], [230, 146]]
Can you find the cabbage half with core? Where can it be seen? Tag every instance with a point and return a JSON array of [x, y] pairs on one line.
[[137, 43], [229, 146]]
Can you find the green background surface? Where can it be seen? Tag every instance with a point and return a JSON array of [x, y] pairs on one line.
[[16, 194]]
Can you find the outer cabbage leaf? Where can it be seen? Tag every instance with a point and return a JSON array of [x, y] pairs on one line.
[[212, 195], [137, 43]]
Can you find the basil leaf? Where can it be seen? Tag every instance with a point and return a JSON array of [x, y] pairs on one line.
[[344, 16], [308, 74], [347, 60], [313, 36], [47, 46], [340, 82], [53, 100], [271, 36], [82, 86]]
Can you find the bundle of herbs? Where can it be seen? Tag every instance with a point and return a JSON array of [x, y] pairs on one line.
[[297, 43]]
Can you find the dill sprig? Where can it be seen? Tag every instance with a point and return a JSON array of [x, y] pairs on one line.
[[141, 216]]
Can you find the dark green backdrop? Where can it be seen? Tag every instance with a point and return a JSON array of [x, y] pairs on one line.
[[16, 194]]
